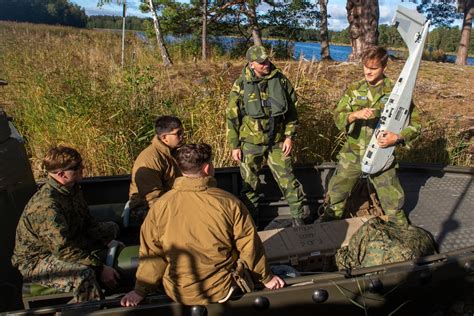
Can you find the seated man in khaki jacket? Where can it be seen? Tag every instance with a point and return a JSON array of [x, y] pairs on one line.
[[193, 237], [155, 169]]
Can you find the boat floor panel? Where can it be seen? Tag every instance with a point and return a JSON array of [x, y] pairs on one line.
[[443, 205]]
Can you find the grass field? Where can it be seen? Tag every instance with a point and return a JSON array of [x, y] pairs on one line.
[[66, 86]]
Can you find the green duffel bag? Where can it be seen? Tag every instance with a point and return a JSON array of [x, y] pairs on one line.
[[380, 242]]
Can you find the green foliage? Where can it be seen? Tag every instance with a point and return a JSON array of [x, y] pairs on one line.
[[341, 37], [287, 19], [43, 11], [185, 49], [440, 12], [444, 38], [115, 22], [441, 38], [389, 36], [180, 19], [176, 19]]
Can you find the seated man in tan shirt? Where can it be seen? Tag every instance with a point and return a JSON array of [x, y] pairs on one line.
[[155, 169], [193, 237]]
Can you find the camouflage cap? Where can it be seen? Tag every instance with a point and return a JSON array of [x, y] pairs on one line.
[[256, 53]]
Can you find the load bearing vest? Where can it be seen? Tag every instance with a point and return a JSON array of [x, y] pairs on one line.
[[277, 100]]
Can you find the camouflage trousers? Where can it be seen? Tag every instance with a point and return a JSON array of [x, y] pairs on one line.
[[282, 170], [386, 184], [66, 277]]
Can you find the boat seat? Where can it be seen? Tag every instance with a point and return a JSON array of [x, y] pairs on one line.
[[126, 262], [111, 212], [126, 214]]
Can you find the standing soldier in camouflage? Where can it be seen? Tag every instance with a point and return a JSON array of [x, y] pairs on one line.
[[261, 123], [357, 114], [58, 243]]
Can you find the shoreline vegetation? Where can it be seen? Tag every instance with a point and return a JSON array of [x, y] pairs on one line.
[[396, 49], [66, 86]]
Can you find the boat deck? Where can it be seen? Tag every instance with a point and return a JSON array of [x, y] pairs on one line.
[[438, 199], [442, 204]]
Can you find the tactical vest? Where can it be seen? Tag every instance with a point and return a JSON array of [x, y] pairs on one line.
[[276, 102]]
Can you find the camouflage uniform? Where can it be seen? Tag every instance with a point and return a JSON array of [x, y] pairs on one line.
[[58, 242], [263, 137], [360, 95]]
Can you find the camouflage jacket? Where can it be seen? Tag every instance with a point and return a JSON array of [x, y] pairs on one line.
[[360, 95], [243, 128], [56, 221]]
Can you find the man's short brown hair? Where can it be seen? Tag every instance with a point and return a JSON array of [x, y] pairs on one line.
[[165, 124], [377, 53], [62, 158], [192, 157]]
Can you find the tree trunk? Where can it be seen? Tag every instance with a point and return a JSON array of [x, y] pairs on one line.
[[363, 17], [461, 57], [159, 36], [204, 30], [256, 34], [325, 55]]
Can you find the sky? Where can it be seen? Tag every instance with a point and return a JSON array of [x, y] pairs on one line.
[[336, 8]]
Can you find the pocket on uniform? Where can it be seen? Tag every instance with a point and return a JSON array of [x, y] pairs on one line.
[[358, 104], [249, 126], [250, 131], [347, 155]]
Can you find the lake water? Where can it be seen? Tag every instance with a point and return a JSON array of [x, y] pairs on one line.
[[309, 50], [312, 50]]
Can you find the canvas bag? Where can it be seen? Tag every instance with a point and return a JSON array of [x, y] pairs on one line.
[[380, 242]]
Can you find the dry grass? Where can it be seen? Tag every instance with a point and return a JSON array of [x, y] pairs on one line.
[[67, 87]]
